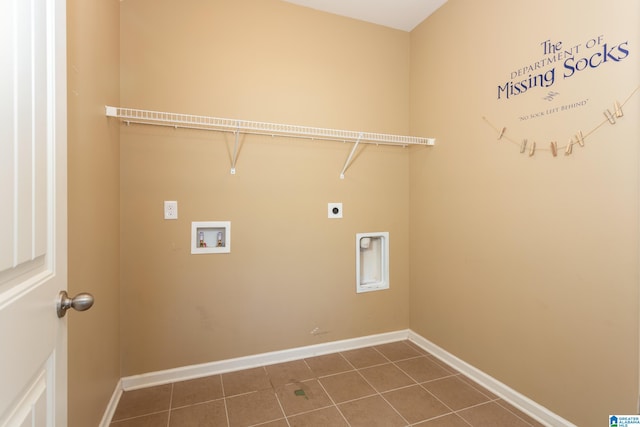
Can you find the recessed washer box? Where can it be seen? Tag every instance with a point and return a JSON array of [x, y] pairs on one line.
[[210, 237], [372, 261]]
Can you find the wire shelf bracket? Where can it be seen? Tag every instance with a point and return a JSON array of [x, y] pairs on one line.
[[235, 152], [187, 121], [348, 161]]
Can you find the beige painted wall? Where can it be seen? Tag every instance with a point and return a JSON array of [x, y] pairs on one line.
[[524, 267], [94, 214], [290, 269], [527, 268]]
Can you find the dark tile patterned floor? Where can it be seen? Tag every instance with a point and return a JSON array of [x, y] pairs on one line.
[[389, 385]]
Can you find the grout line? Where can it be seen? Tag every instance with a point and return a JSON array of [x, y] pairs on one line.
[[496, 403], [440, 363], [380, 394], [437, 417], [394, 408], [477, 405], [245, 393], [343, 417], [307, 365], [359, 398], [463, 420], [346, 360], [224, 394], [335, 405], [269, 422], [410, 358], [224, 397], [327, 393], [374, 347], [284, 414], [374, 366], [405, 372], [136, 416], [477, 387], [436, 397], [337, 373], [464, 409], [320, 377], [203, 402], [509, 410], [170, 404], [452, 375], [310, 411]]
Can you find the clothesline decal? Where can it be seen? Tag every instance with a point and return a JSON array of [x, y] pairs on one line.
[[578, 138]]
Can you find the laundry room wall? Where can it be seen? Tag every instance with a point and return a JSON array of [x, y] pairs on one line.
[[525, 265], [93, 207], [289, 279]]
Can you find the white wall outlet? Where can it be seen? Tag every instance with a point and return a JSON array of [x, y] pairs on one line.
[[334, 210], [170, 209]]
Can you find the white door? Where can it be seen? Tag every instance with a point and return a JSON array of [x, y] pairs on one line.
[[33, 241]]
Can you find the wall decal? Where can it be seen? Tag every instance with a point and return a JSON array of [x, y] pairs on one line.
[[572, 59], [539, 92], [578, 138]]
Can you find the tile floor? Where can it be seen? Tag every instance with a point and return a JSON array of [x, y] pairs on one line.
[[389, 385]]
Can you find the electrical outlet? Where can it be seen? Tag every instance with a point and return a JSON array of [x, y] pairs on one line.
[[170, 209], [334, 210]]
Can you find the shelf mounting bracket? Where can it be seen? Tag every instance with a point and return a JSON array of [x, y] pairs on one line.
[[348, 162], [235, 151]]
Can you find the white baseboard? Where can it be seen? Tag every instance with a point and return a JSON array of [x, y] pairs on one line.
[[229, 365], [111, 407], [518, 400]]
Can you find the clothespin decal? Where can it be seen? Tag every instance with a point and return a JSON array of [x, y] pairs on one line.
[[609, 115], [618, 109], [612, 114], [569, 149]]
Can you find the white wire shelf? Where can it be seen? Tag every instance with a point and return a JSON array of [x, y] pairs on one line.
[[188, 121]]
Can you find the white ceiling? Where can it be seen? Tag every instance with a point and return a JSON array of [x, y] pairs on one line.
[[399, 14]]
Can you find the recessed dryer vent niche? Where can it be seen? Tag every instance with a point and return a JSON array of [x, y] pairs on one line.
[[210, 237], [372, 261]]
